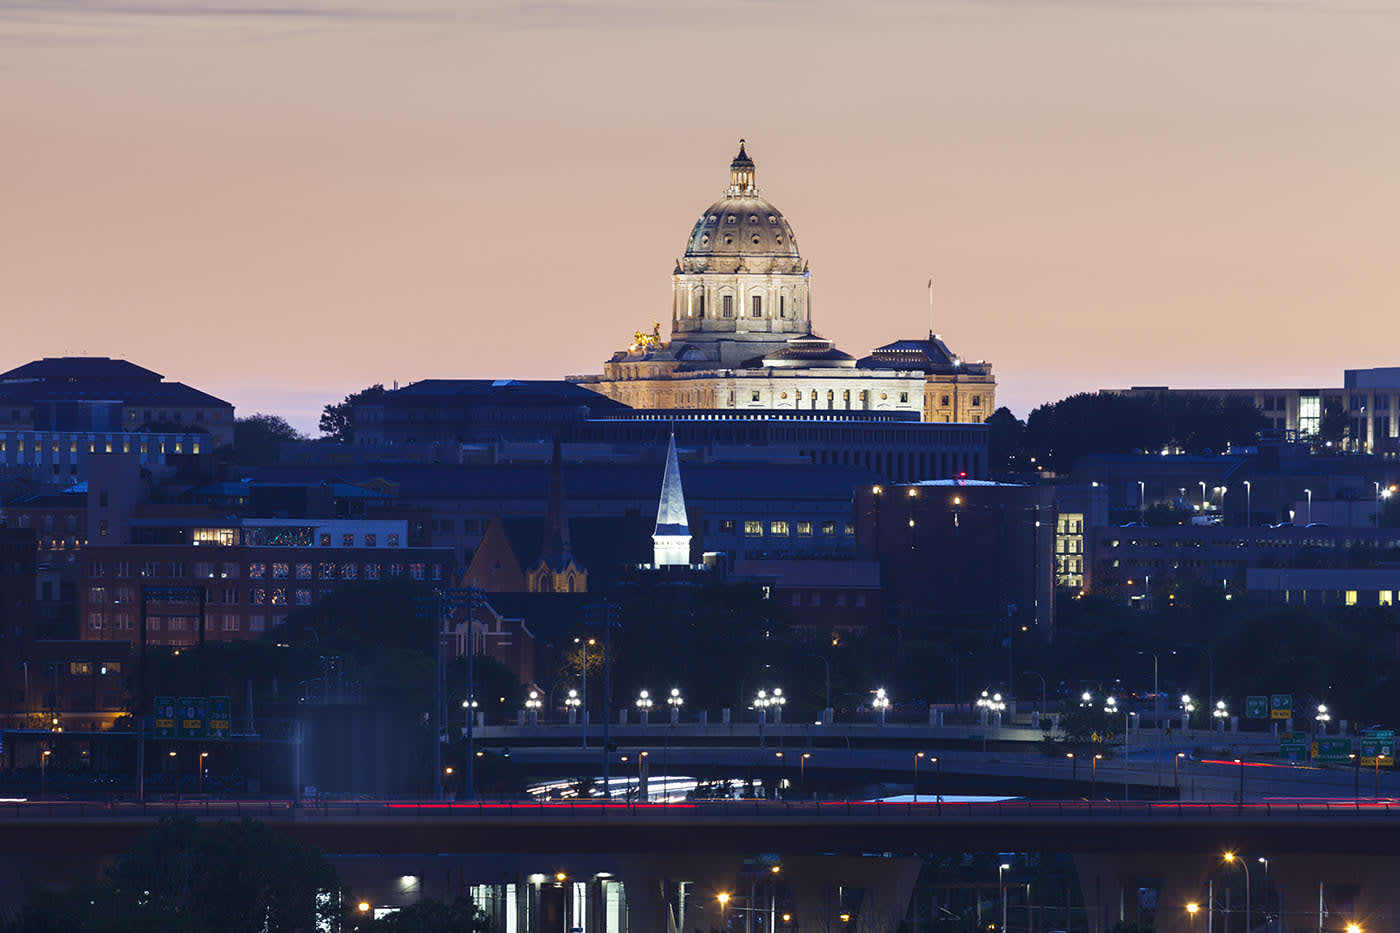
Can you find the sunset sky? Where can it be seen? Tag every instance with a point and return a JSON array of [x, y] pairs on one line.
[[281, 202]]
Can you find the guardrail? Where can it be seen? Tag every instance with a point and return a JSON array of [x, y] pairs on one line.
[[280, 810]]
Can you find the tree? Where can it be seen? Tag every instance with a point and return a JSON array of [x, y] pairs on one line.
[[194, 877], [1333, 427], [338, 421], [257, 439], [429, 916], [1005, 437]]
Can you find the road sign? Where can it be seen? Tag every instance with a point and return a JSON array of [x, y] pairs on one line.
[[165, 717], [1256, 707], [1378, 749], [220, 709], [1332, 751], [1281, 706], [193, 715], [1293, 746]]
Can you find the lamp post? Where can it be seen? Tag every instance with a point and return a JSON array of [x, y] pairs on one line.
[[1220, 714], [1142, 501], [1176, 772], [1188, 706], [572, 703], [675, 701], [1074, 767], [644, 705], [881, 704], [1230, 859], [1094, 776], [802, 772], [917, 756], [723, 899], [203, 757], [583, 677], [1248, 504], [1309, 495], [1042, 689], [43, 771], [1191, 910], [1322, 718], [1001, 883], [1203, 496]]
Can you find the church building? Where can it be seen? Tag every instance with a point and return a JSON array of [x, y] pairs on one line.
[[742, 334]]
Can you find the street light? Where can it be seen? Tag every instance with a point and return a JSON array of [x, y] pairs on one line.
[[1191, 910], [1142, 501], [1309, 493], [43, 769], [202, 757], [1230, 859], [723, 899], [917, 756], [1221, 713], [1188, 706], [802, 771], [1322, 718], [1002, 884], [644, 701], [1094, 775], [881, 701], [1248, 503], [1203, 495], [533, 702]]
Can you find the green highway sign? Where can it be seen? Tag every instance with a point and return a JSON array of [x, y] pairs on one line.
[[1378, 749], [220, 710], [1281, 706], [193, 715], [1293, 746], [1256, 707], [1332, 751], [164, 709]]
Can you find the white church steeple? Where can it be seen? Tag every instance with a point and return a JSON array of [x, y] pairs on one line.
[[671, 539]]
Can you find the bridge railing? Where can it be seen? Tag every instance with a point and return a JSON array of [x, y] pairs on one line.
[[931, 810]]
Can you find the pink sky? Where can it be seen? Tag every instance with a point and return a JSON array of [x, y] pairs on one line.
[[286, 205]]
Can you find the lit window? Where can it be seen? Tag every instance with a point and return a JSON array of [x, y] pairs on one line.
[[258, 596], [753, 529], [828, 528], [304, 571], [371, 540], [279, 596], [778, 528], [80, 668], [417, 571], [804, 529], [393, 539], [257, 571], [350, 571], [303, 597], [347, 540], [280, 570], [327, 570], [1385, 598], [1351, 597]]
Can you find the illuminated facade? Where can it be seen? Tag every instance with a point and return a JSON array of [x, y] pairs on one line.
[[742, 334]]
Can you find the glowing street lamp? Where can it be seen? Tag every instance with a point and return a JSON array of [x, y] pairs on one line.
[[1188, 706], [1322, 718], [1232, 859], [675, 701], [1221, 714], [881, 704], [1191, 910]]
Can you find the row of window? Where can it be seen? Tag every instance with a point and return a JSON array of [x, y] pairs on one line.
[[36, 446], [228, 622], [839, 600], [260, 570], [783, 528]]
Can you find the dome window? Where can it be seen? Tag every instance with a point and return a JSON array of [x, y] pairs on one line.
[[705, 240], [772, 219], [728, 240], [713, 218], [732, 219], [755, 241], [753, 218]]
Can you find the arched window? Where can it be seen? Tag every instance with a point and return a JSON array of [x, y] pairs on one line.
[[757, 306]]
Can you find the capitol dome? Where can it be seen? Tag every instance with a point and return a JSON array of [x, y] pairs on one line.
[[742, 231]]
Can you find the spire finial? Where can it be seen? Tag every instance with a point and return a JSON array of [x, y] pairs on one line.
[[741, 173]]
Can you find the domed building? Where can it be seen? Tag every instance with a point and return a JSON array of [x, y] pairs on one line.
[[742, 334]]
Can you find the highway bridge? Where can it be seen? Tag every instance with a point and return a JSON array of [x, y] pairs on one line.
[[1118, 846]]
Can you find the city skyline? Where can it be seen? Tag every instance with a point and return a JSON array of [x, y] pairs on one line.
[[287, 205]]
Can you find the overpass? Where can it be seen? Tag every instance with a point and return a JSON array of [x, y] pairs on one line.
[[1119, 847]]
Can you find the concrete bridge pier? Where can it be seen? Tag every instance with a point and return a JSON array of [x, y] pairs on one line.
[[1149, 888]]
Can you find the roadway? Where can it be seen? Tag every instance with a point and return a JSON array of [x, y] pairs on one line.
[[388, 827]]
